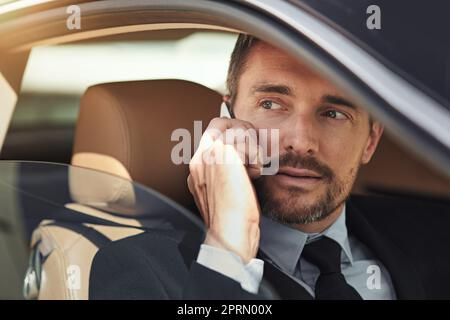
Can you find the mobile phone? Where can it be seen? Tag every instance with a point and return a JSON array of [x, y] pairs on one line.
[[225, 111]]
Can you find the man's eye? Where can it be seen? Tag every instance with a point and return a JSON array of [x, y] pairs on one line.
[[334, 114], [269, 105]]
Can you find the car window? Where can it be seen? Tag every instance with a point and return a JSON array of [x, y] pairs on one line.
[[39, 198]]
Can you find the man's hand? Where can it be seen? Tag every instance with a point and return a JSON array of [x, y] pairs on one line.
[[219, 180]]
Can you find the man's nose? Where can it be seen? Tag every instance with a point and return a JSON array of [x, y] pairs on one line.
[[300, 135]]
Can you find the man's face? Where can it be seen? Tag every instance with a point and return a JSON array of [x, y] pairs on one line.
[[324, 138]]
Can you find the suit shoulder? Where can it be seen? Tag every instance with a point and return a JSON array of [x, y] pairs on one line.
[[145, 266], [404, 211]]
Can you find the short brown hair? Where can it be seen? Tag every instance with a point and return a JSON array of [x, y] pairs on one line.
[[242, 48]]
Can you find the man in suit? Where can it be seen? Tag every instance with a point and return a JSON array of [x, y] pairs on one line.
[[295, 234]]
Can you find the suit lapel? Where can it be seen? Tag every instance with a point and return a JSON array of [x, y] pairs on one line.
[[405, 278], [284, 285]]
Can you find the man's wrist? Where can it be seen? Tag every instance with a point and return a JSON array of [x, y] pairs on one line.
[[231, 265], [245, 244]]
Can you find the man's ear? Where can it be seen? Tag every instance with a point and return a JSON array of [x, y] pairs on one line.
[[374, 138]]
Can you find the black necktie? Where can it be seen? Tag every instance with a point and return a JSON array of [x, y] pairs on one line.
[[325, 253]]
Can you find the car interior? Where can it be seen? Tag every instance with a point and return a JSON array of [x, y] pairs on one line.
[[123, 128]]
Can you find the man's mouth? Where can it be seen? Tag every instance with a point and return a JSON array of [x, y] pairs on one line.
[[303, 178]]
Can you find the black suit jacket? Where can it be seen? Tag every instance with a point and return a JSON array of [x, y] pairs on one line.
[[410, 237]]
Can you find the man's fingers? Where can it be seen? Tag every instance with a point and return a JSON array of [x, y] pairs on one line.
[[199, 193]]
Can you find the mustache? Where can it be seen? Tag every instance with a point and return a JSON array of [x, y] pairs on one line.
[[310, 163]]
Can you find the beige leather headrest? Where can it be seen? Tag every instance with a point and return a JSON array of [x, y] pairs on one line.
[[125, 129]]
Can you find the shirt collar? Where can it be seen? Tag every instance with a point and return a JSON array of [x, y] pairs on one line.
[[284, 245], [338, 232]]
